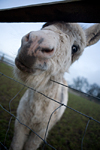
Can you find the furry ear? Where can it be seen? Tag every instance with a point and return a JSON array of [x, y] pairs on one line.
[[92, 34]]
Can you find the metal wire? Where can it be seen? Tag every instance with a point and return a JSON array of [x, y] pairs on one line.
[[84, 133], [48, 125], [3, 146], [76, 90], [25, 126], [10, 112], [61, 104]]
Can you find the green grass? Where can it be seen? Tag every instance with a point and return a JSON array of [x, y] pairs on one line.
[[67, 133], [8, 89]]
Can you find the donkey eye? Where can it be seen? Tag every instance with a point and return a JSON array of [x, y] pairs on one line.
[[74, 49]]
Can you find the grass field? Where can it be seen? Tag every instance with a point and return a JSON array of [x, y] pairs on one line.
[[67, 133]]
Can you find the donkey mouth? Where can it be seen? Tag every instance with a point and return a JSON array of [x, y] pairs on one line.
[[22, 67]]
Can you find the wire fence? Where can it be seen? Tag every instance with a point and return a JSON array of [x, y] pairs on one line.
[[61, 104], [6, 58]]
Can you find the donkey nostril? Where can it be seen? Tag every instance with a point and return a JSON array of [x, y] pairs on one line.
[[47, 50]]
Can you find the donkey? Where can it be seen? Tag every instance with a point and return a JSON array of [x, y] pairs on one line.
[[46, 55]]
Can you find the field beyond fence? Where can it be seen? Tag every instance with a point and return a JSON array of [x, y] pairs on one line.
[[67, 134]]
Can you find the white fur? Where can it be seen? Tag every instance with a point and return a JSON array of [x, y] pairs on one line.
[[34, 109]]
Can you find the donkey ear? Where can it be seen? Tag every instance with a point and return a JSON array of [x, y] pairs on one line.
[[92, 34]]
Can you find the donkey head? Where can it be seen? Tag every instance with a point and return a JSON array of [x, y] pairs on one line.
[[51, 50]]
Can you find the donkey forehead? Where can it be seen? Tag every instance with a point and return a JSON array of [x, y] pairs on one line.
[[77, 31], [43, 33], [72, 30]]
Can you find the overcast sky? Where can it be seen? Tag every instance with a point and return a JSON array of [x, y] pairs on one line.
[[87, 66]]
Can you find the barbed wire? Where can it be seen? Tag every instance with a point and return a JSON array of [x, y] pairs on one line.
[[60, 105]]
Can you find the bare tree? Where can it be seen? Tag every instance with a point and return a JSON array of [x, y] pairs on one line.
[[94, 90], [80, 83]]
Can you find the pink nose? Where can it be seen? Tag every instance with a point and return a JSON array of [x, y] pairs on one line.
[[32, 37], [34, 46]]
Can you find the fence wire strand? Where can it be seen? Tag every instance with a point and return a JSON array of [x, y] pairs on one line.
[[61, 104], [48, 125], [76, 90], [25, 126], [85, 133], [10, 112]]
